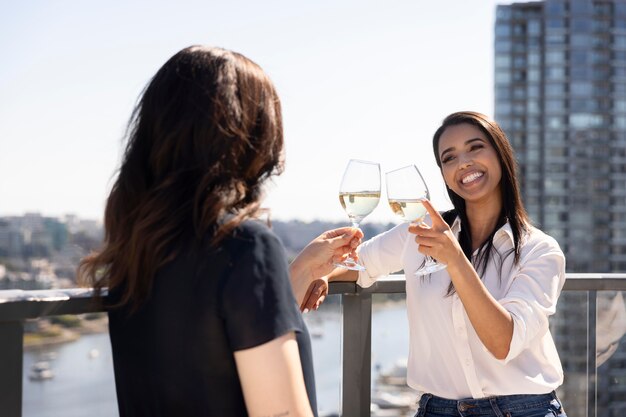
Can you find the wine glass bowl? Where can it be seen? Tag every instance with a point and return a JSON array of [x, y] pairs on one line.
[[406, 192], [359, 194]]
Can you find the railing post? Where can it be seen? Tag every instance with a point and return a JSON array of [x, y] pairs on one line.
[[11, 364], [356, 354], [592, 371]]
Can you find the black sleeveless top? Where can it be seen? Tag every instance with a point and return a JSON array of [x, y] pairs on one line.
[[174, 356]]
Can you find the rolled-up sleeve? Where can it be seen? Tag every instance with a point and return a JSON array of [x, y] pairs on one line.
[[382, 255], [533, 294]]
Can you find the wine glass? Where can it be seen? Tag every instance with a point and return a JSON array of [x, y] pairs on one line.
[[359, 194], [406, 191]]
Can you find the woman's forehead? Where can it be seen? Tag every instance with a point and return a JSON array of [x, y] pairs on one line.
[[457, 135]]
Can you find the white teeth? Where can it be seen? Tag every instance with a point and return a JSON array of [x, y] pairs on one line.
[[471, 177]]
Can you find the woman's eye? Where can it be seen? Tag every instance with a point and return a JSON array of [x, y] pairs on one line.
[[447, 159], [475, 147]]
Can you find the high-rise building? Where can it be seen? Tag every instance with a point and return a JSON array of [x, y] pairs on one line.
[[560, 95]]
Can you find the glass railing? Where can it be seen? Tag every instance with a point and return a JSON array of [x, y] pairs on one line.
[[589, 329]]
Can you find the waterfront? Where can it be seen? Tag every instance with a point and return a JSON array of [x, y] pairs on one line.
[[84, 384]]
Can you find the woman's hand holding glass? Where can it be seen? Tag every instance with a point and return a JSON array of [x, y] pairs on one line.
[[407, 193], [317, 260], [436, 241]]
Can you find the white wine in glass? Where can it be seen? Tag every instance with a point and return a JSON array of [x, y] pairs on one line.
[[359, 195], [406, 191]]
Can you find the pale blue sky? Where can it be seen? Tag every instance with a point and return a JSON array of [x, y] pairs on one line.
[[358, 79]]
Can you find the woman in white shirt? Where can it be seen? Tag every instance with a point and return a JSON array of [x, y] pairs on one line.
[[479, 337]]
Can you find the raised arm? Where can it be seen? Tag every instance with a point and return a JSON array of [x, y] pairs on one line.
[[491, 321]]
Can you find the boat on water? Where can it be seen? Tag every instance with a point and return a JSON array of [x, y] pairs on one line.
[[395, 376], [48, 356], [40, 371]]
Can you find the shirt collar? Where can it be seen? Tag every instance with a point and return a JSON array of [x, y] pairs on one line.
[[504, 230]]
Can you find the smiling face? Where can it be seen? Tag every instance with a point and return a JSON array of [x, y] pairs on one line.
[[470, 164]]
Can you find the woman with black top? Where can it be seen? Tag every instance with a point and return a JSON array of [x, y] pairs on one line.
[[203, 318]]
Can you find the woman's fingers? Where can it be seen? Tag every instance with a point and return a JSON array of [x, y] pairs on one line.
[[343, 236], [320, 301], [306, 300], [315, 295]]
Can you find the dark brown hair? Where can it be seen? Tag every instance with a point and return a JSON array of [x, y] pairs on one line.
[[512, 207], [204, 137]]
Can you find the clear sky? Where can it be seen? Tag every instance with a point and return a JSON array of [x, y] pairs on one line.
[[357, 79]]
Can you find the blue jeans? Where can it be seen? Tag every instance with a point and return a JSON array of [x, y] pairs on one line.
[[540, 405]]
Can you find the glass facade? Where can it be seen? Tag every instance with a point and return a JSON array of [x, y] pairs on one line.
[[560, 94]]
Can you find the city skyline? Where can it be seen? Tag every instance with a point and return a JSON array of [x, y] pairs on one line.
[[356, 80]]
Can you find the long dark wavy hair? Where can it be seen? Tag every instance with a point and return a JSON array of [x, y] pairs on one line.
[[204, 137], [513, 209]]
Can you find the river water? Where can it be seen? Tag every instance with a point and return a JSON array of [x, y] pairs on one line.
[[83, 385]]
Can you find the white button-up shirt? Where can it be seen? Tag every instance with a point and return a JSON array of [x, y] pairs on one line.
[[446, 357]]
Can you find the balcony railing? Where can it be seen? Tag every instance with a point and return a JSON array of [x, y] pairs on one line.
[[17, 306]]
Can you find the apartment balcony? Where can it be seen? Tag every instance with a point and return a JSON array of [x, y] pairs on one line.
[[588, 328]]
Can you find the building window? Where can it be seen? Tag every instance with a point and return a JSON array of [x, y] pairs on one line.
[[519, 93], [503, 61], [583, 89], [504, 108], [555, 23], [534, 27], [556, 89], [503, 93], [556, 38], [555, 73], [578, 24], [578, 57], [503, 12], [502, 77], [581, 105], [533, 75], [619, 72], [503, 30], [555, 122], [502, 46], [585, 120], [555, 57], [519, 61], [532, 107], [533, 91], [580, 40], [619, 41], [555, 106]]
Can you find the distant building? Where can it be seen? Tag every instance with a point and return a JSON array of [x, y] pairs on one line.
[[560, 95]]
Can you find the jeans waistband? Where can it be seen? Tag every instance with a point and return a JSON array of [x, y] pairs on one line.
[[484, 406]]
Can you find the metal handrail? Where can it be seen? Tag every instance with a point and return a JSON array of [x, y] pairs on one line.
[[16, 306]]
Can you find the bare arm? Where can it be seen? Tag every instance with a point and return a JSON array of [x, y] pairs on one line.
[[272, 380]]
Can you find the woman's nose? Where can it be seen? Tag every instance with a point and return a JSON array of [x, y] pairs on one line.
[[465, 161]]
